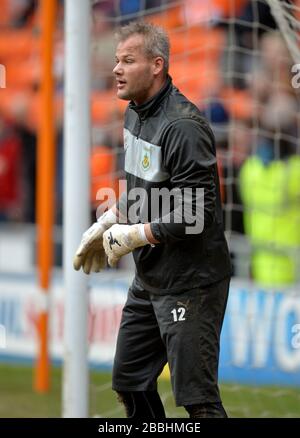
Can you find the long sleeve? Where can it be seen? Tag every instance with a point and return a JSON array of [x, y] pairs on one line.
[[188, 153]]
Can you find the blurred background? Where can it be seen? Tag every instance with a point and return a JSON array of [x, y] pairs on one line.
[[233, 60]]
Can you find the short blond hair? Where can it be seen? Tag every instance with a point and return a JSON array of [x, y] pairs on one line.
[[155, 38]]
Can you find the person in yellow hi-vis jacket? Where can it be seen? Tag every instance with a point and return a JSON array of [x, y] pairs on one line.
[[271, 197]]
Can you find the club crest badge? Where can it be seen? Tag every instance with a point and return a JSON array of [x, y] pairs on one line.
[[146, 162]]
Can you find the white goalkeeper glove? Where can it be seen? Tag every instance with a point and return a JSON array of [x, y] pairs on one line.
[[90, 254], [122, 239]]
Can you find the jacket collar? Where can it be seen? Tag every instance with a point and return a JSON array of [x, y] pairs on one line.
[[147, 108]]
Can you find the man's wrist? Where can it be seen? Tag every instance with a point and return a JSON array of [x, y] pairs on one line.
[[143, 234], [151, 239]]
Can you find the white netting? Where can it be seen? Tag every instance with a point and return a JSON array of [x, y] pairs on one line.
[[233, 58], [287, 14]]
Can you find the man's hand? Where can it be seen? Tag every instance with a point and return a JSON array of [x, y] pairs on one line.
[[122, 239], [90, 254]]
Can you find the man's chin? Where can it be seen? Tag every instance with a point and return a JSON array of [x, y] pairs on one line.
[[122, 95]]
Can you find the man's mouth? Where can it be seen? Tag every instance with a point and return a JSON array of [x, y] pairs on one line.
[[120, 83]]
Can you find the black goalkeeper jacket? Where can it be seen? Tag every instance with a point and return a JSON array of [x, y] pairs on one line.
[[168, 144]]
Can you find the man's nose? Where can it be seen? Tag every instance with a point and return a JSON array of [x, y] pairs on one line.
[[117, 69]]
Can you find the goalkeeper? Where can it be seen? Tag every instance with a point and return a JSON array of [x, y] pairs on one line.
[[176, 303]]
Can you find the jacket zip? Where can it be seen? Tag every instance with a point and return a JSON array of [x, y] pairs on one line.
[[140, 127]]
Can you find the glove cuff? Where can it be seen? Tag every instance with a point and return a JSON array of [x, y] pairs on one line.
[[142, 234]]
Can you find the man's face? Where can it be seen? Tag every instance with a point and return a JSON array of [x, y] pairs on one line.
[[134, 71]]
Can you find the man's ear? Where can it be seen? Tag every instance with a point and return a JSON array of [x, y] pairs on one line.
[[158, 65]]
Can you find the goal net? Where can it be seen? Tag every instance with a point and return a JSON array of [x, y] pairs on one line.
[[237, 61]]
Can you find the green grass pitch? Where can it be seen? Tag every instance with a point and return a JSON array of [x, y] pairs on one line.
[[18, 400]]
